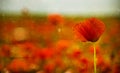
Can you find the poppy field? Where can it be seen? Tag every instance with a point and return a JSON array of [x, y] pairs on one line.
[[55, 43]]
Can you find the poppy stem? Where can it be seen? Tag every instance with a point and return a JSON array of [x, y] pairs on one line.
[[95, 60]]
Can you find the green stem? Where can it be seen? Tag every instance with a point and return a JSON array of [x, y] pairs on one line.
[[95, 60]]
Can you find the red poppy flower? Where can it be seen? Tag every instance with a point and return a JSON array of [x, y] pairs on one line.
[[89, 30], [55, 19]]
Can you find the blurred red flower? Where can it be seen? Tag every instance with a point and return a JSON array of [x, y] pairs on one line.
[[116, 68], [55, 19], [47, 53], [1, 67], [18, 65], [43, 54], [27, 46], [85, 64], [89, 30], [59, 62], [5, 51], [76, 54], [8, 26], [45, 29], [61, 46], [49, 68]]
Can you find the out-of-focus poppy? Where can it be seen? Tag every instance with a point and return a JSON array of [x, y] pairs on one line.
[[116, 68], [0, 67], [55, 19], [18, 65], [59, 63], [63, 44], [89, 30], [9, 25], [44, 54], [84, 65], [47, 53], [45, 28], [49, 68], [5, 51], [84, 61], [75, 54], [28, 46], [100, 61], [103, 66]]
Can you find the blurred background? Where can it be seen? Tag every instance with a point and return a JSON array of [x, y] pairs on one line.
[[86, 7], [36, 36]]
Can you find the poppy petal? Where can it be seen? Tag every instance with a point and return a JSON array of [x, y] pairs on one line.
[[89, 30]]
